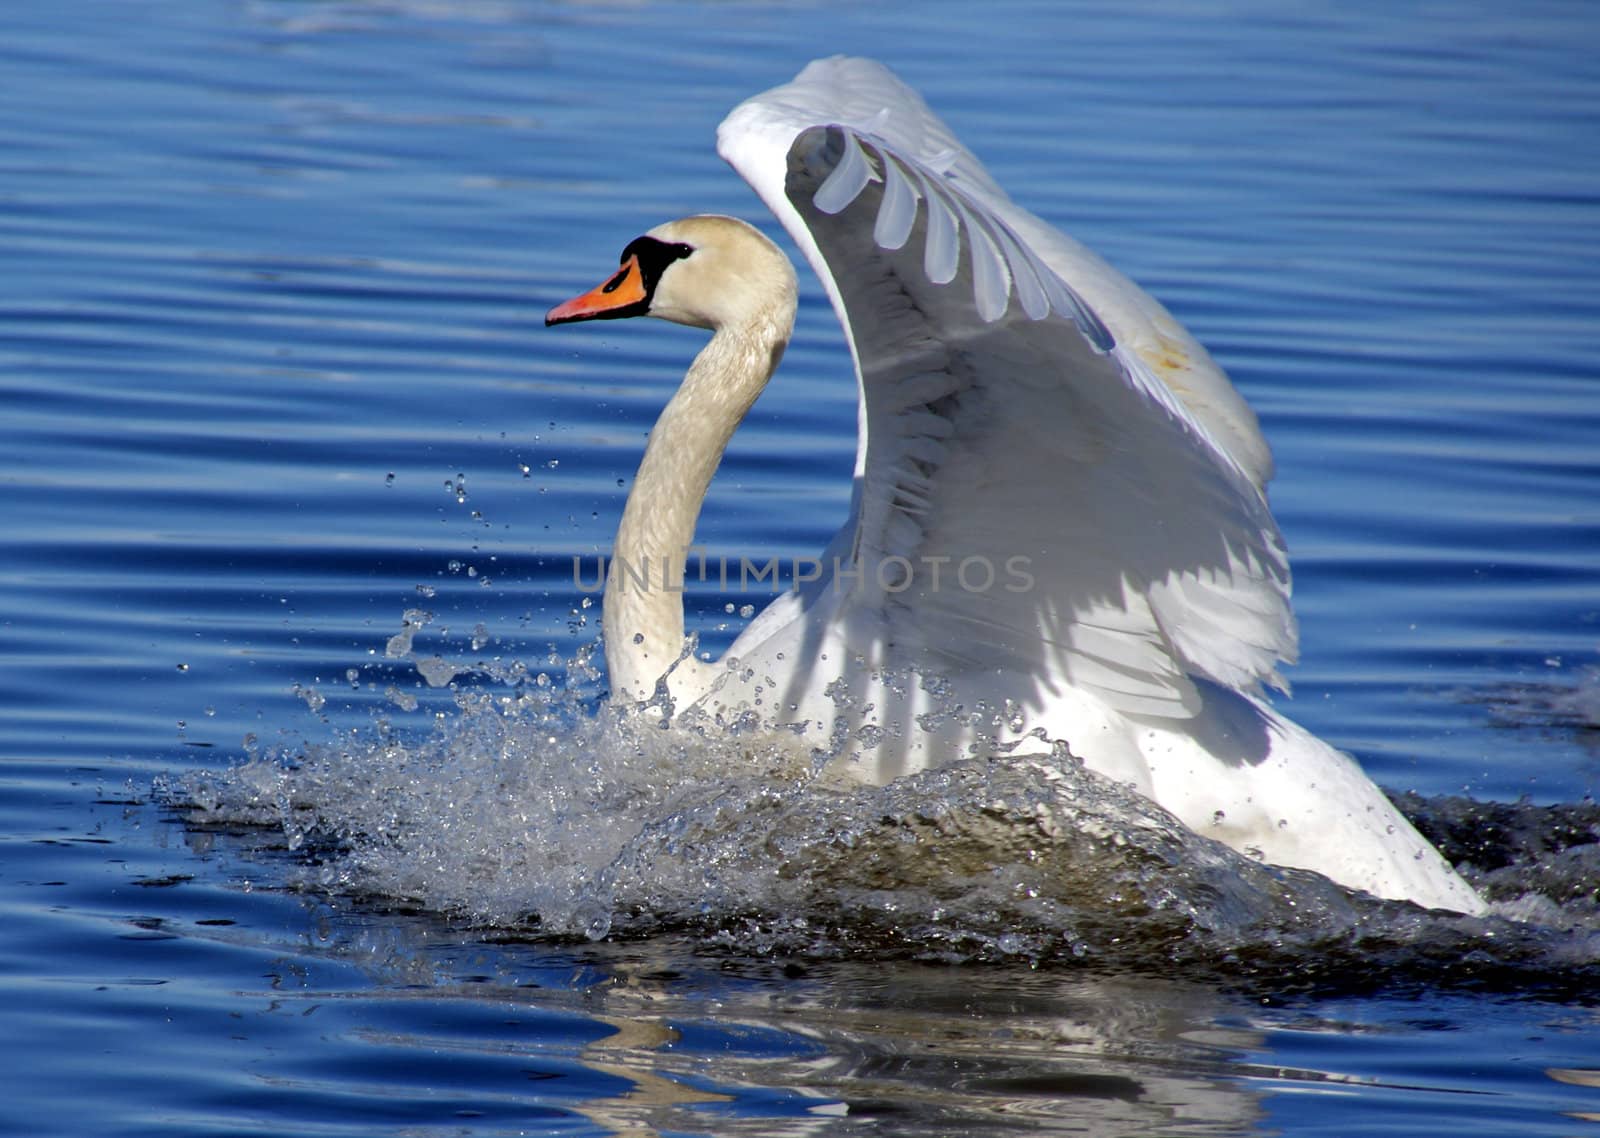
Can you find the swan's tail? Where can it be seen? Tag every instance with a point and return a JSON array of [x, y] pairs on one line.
[[1247, 776]]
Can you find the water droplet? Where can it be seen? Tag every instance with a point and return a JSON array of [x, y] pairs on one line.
[[596, 924], [437, 671], [405, 701]]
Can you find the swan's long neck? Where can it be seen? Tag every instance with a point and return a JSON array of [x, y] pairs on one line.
[[643, 616]]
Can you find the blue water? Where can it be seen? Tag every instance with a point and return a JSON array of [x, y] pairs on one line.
[[272, 374]]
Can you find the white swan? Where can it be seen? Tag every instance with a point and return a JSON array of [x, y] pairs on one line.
[[1059, 530]]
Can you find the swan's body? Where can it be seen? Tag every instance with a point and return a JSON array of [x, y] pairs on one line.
[[1059, 529]]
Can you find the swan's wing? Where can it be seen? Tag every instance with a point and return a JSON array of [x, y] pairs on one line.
[[1032, 496], [870, 99]]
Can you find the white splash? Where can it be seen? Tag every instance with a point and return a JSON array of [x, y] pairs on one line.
[[536, 806]]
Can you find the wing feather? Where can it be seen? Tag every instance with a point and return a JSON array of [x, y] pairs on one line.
[[1024, 409], [899, 212]]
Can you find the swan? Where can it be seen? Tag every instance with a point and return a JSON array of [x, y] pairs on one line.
[[1059, 533]]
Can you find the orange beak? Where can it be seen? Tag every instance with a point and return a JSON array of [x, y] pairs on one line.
[[622, 295]]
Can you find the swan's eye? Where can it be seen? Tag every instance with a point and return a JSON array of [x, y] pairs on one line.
[[651, 257]]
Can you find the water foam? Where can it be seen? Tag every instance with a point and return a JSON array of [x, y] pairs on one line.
[[537, 807]]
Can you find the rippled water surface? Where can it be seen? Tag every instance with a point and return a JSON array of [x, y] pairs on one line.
[[313, 820]]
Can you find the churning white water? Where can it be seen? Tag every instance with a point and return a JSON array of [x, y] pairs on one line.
[[537, 807]]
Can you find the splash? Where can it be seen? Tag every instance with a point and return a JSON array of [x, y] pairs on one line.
[[538, 808]]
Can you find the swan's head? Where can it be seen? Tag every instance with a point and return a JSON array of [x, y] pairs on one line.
[[707, 272]]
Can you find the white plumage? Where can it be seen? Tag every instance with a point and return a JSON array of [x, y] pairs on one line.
[[1059, 529]]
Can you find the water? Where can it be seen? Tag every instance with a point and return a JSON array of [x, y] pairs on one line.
[[274, 379]]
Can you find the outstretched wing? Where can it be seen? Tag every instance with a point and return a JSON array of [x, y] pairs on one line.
[[1053, 477]]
